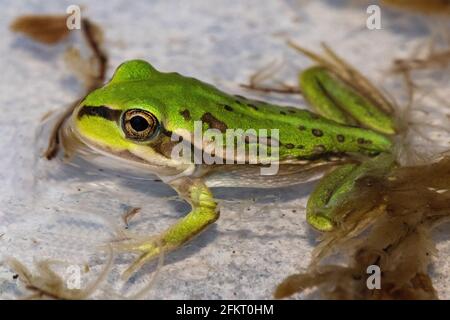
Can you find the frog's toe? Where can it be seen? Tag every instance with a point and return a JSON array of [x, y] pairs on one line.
[[320, 222], [149, 250], [145, 257]]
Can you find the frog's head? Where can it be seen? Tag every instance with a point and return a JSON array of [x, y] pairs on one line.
[[123, 120]]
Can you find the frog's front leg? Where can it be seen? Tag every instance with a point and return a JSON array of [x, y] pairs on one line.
[[204, 212]]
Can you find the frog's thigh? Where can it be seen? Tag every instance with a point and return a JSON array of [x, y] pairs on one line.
[[312, 84], [334, 99]]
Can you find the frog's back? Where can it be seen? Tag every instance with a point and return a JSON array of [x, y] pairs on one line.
[[302, 134], [183, 100]]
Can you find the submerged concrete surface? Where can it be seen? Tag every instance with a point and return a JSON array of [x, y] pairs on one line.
[[61, 212]]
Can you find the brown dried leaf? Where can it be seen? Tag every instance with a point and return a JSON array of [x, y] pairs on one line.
[[48, 29]]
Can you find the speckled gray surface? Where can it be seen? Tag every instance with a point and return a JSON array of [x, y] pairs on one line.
[[261, 236]]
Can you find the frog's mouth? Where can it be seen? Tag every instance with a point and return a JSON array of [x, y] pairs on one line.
[[75, 145]]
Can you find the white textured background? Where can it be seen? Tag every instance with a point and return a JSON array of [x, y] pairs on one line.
[[262, 236]]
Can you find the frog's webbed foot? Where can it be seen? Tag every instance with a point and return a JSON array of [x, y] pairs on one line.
[[148, 250], [204, 212], [336, 189]]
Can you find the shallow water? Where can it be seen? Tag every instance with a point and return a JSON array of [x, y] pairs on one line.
[[65, 212]]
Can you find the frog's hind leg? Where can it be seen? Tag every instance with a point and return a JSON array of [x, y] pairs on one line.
[[203, 213], [337, 187], [327, 89], [336, 100], [348, 74]]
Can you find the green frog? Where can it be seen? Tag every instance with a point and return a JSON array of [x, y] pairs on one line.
[[136, 115]]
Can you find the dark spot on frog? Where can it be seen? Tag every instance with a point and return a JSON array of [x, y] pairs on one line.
[[363, 141], [186, 114], [317, 132], [283, 113], [291, 111], [227, 107], [289, 146], [314, 116], [340, 138], [300, 147], [301, 128], [213, 122], [15, 276]]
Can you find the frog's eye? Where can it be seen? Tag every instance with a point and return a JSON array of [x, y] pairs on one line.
[[139, 125]]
